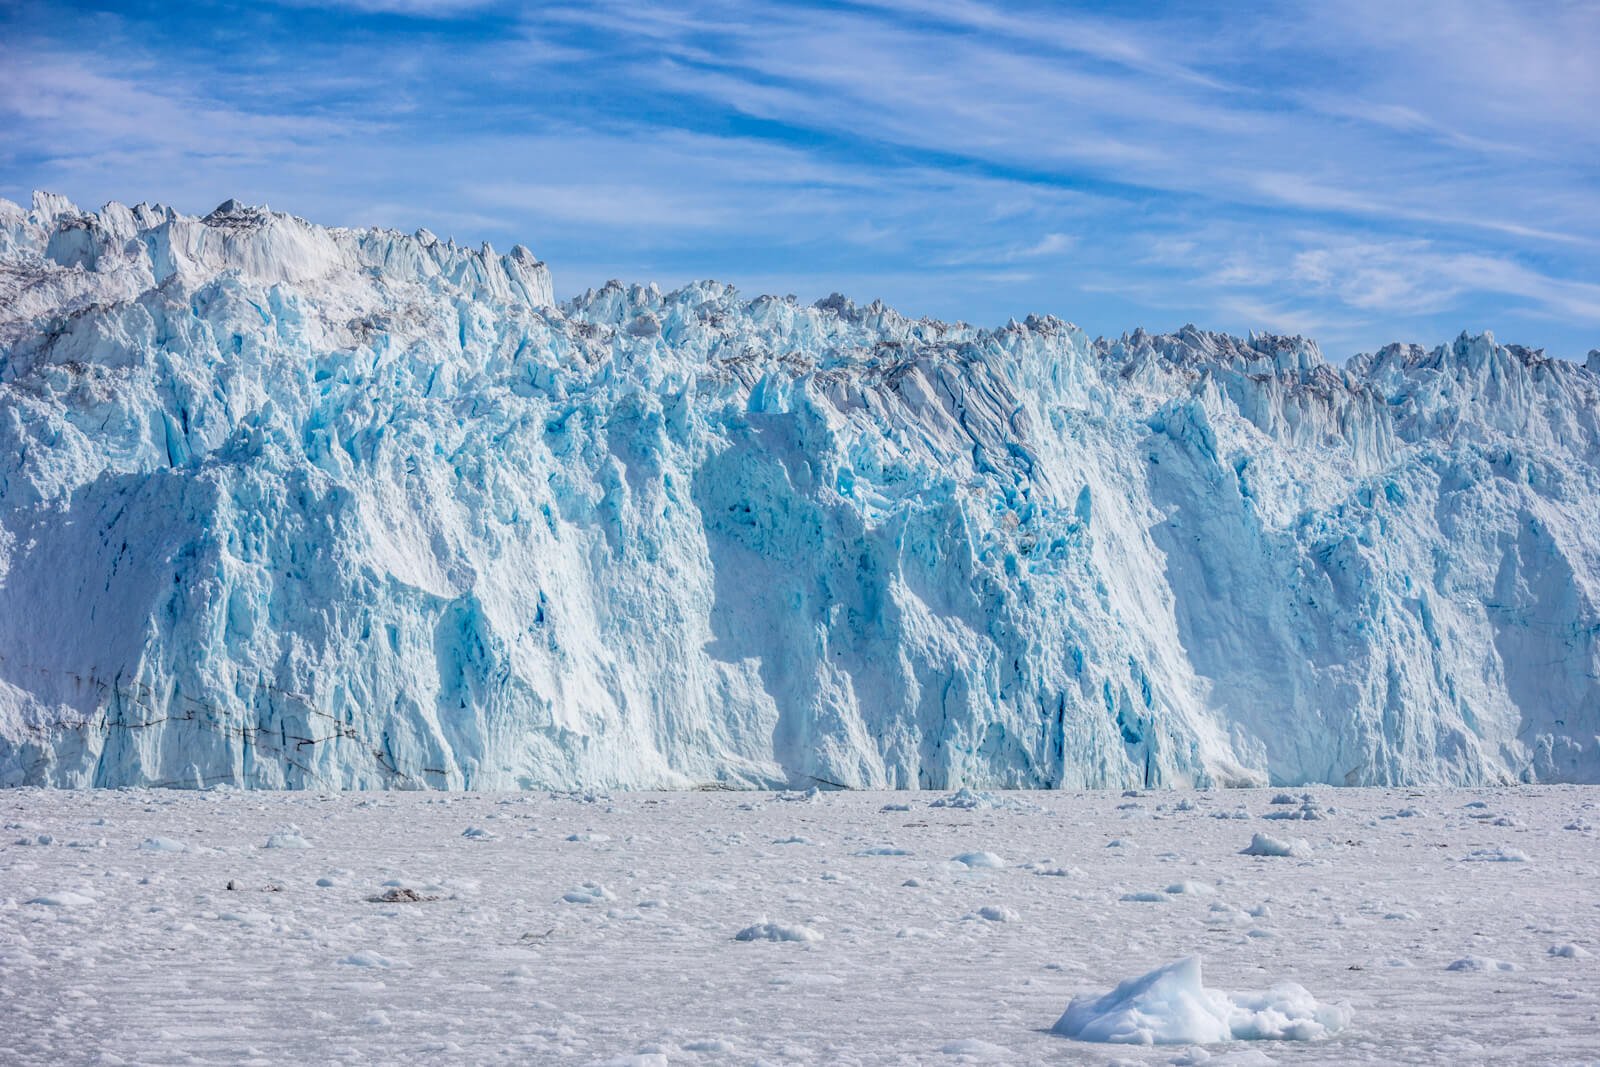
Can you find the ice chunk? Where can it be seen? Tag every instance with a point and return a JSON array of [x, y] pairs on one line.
[[163, 844], [1481, 963], [978, 860], [976, 1050], [1171, 1006], [1496, 855], [966, 799], [64, 899], [770, 931], [589, 893], [287, 837], [1262, 845], [373, 960]]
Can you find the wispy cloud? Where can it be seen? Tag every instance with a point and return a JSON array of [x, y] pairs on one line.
[[1049, 246], [429, 9], [1359, 167], [137, 109], [605, 205]]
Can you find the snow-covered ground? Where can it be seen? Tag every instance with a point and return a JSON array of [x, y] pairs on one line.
[[1424, 926]]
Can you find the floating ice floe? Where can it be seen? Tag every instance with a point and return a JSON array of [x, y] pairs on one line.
[[1262, 845], [770, 931], [974, 1049], [402, 895], [63, 899], [287, 837], [1049, 868], [977, 860], [1309, 811], [1496, 855], [373, 960], [1171, 1006], [967, 799], [163, 844], [589, 893], [1481, 963]]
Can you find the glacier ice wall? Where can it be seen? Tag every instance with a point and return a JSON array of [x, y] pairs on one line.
[[290, 506]]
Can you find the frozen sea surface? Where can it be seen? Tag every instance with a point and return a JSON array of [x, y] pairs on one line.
[[1453, 926]]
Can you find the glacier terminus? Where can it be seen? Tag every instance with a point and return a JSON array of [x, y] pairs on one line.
[[292, 506]]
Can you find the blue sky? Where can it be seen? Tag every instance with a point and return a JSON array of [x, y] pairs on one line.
[[1359, 171]]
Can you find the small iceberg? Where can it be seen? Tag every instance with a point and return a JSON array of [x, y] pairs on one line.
[[1170, 1006]]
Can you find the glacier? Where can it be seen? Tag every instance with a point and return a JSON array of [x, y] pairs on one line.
[[288, 506]]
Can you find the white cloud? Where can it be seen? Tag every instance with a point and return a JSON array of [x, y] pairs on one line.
[[432, 9], [1354, 165], [606, 205]]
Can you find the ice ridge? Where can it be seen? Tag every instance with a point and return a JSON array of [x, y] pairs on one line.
[[291, 506]]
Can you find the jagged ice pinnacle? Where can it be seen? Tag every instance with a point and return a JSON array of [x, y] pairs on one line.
[[283, 505]]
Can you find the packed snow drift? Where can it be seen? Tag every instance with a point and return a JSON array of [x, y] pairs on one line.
[[283, 505]]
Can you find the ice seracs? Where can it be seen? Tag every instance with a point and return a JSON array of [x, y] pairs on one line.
[[289, 505]]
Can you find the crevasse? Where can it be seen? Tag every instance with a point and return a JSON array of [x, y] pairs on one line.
[[283, 505]]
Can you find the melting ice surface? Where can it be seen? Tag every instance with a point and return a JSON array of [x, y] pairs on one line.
[[283, 505]]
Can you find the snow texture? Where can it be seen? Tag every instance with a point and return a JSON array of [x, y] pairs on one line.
[[474, 952], [290, 506]]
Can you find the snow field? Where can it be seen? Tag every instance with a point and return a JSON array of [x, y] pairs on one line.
[[721, 927]]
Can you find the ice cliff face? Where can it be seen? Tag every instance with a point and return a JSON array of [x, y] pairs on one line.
[[291, 506]]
